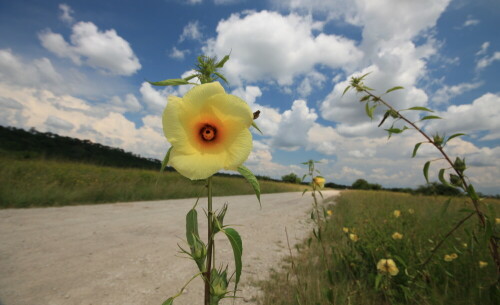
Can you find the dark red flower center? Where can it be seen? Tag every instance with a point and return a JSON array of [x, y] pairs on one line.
[[208, 133]]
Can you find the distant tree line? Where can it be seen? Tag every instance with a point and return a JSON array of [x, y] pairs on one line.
[[33, 144], [430, 189]]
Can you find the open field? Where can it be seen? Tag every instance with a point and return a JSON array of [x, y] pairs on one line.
[[352, 261], [126, 253], [29, 183]]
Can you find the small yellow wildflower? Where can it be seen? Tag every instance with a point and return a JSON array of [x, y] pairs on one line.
[[464, 245], [346, 230], [387, 266], [482, 264], [319, 181], [208, 130], [397, 235], [329, 212], [411, 211], [497, 221], [353, 237], [450, 257], [396, 213]]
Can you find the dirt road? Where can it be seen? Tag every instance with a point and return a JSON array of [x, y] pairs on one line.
[[126, 253]]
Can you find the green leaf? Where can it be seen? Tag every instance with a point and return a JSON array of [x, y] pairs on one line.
[[364, 75], [365, 98], [386, 115], [394, 130], [426, 170], [377, 280], [221, 63], [254, 125], [415, 149], [445, 207], [165, 160], [170, 82], [420, 108], [369, 110], [441, 177], [304, 192], [236, 244], [394, 88], [454, 136], [191, 226], [169, 301], [190, 77], [430, 117], [346, 89], [472, 192], [221, 77], [245, 172]]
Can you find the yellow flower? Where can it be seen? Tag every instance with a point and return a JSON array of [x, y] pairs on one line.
[[387, 266], [329, 212], [450, 257], [497, 221], [396, 213], [397, 235], [346, 230], [319, 181], [464, 245], [353, 237], [411, 211], [208, 130], [482, 264]]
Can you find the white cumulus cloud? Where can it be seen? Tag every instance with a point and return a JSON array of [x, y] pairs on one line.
[[106, 51]]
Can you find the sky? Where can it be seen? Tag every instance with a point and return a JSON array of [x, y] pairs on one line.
[[80, 69]]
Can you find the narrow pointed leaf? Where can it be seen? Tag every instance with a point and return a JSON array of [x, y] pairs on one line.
[[237, 245], [415, 149], [245, 172], [191, 226], [169, 301], [445, 207], [346, 89], [190, 77], [221, 63], [454, 136], [386, 115], [304, 192], [221, 77], [430, 117], [426, 170], [472, 192], [394, 88], [365, 98], [170, 82], [165, 160], [441, 177], [254, 125], [420, 108], [369, 111]]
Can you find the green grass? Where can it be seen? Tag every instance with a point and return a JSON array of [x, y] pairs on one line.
[[350, 275], [41, 183]]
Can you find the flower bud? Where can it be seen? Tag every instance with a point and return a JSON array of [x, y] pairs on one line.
[[459, 165], [218, 285], [438, 140], [455, 180]]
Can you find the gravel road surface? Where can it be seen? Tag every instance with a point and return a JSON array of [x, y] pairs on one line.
[[127, 254]]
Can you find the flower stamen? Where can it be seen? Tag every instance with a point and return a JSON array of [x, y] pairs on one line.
[[208, 133]]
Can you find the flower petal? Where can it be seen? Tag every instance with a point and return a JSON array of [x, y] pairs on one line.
[[239, 150], [196, 166], [199, 94]]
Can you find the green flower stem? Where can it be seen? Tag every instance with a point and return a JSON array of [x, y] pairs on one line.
[[210, 242], [493, 245]]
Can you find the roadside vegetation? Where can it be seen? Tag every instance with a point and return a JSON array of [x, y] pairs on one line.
[[41, 183], [402, 230]]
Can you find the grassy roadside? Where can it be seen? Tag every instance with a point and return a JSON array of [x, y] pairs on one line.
[[353, 277], [41, 183]]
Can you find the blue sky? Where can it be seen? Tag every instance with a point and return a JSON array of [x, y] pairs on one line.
[[79, 68]]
